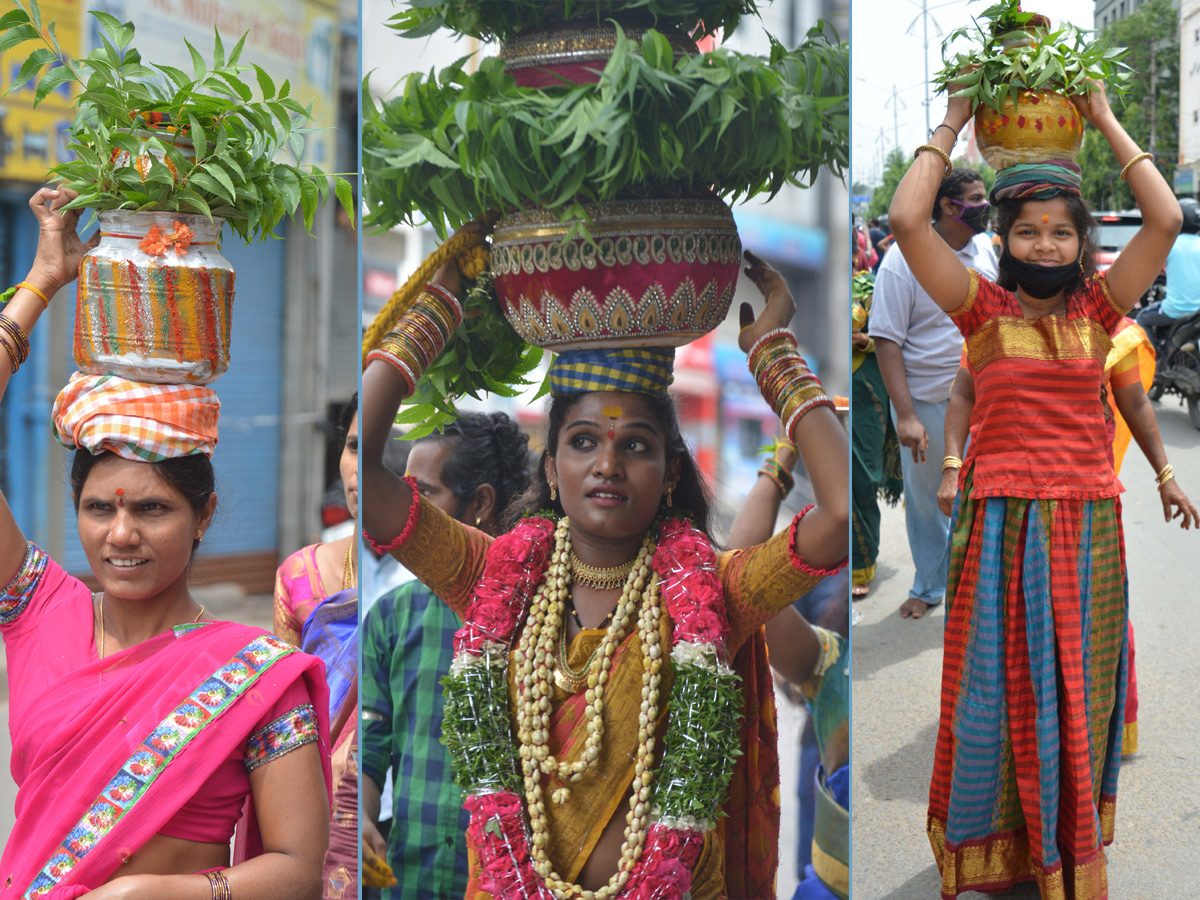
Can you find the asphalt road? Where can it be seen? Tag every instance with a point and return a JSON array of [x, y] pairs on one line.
[[897, 675]]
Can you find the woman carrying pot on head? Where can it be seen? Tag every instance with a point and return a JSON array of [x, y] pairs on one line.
[[597, 644], [140, 726], [1033, 681]]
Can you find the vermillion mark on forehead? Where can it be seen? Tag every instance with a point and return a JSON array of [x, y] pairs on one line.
[[612, 413], [1045, 220], [120, 496]]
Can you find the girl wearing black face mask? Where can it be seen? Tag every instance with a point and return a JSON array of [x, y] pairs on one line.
[[1029, 580]]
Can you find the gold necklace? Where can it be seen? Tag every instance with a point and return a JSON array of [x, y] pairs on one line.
[[534, 657], [600, 579], [349, 576], [101, 655]]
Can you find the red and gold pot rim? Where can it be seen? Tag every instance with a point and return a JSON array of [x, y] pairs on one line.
[[573, 43]]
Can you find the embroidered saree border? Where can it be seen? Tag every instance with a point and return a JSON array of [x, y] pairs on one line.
[[972, 290], [1050, 338], [293, 729], [1000, 861], [162, 746]]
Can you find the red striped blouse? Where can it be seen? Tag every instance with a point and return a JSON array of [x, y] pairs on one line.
[[1037, 428]]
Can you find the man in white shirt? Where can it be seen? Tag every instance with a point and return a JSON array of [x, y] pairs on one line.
[[918, 348]]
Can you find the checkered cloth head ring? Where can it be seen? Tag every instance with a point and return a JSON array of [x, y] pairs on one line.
[[141, 422], [645, 370]]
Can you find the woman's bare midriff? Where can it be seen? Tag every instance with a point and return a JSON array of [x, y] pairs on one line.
[[162, 855], [602, 864]]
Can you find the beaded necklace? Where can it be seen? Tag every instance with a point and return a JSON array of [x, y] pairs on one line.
[[671, 805]]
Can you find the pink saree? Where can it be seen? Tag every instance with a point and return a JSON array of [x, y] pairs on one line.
[[105, 752]]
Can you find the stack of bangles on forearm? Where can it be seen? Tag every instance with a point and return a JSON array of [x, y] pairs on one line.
[[777, 471], [951, 462], [419, 335], [220, 885], [15, 341], [1164, 475], [784, 379]]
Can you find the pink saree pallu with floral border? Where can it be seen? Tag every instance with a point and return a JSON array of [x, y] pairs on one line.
[[106, 752]]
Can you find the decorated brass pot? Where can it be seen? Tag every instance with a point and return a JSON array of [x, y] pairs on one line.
[[155, 300], [658, 273], [1042, 126], [575, 52]]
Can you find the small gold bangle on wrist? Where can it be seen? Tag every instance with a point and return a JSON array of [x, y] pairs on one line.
[[1137, 159], [940, 152], [32, 289], [1164, 475], [951, 462], [219, 885]]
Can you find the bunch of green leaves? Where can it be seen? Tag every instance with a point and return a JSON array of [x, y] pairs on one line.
[[491, 20], [862, 285], [453, 145], [1060, 59], [703, 742], [484, 354], [476, 729], [148, 109]]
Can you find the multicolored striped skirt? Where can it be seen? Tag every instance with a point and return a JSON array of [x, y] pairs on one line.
[[1033, 696]]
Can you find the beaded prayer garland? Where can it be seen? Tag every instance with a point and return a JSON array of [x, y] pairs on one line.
[[786, 382], [670, 806]]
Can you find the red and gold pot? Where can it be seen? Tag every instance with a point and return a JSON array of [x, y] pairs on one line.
[[575, 52], [657, 273], [1042, 125]]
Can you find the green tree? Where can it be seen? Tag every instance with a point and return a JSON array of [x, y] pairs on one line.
[[893, 170], [1150, 109]]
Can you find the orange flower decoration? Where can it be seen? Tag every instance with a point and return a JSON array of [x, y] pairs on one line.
[[181, 237], [154, 243]]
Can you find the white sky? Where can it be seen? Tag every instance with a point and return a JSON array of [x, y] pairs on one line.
[[883, 55]]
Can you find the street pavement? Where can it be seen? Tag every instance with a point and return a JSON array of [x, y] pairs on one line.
[[896, 686], [222, 601]]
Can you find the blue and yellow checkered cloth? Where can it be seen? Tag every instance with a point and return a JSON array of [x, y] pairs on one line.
[[644, 370]]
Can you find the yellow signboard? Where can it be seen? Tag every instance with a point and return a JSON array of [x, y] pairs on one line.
[[33, 140], [297, 41]]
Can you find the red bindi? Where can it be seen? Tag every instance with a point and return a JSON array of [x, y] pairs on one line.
[[120, 496]]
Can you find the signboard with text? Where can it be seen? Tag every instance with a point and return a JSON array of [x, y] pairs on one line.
[[296, 40]]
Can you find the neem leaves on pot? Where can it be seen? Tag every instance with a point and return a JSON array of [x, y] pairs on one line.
[[502, 20], [198, 143], [1021, 51]]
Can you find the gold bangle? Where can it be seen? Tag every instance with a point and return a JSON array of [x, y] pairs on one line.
[[951, 462], [1137, 159], [12, 352], [1165, 474], [940, 152], [30, 287]]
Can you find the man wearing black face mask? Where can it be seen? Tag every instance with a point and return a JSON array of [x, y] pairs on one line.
[[918, 347]]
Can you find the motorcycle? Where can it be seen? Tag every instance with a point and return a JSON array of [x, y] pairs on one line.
[[1177, 371]]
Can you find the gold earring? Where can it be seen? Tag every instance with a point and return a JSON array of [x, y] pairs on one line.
[[553, 492], [478, 519], [199, 536], [670, 500]]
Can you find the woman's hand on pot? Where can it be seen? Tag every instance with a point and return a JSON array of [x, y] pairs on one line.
[[59, 249], [780, 308], [1093, 105], [958, 109], [447, 274]]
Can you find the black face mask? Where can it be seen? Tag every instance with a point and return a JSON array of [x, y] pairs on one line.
[[1040, 282], [974, 216]]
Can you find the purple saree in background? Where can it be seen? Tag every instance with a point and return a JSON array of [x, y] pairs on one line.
[[105, 752]]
